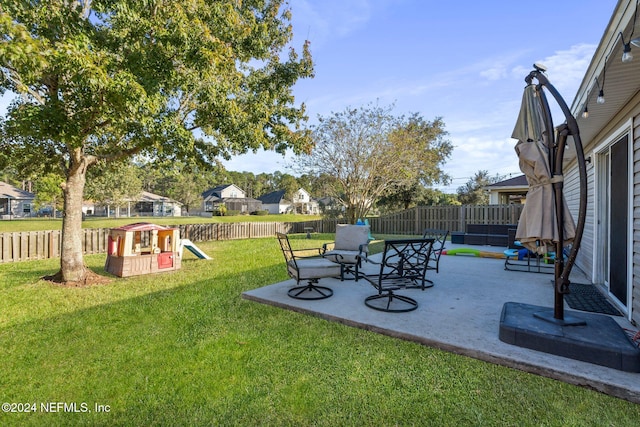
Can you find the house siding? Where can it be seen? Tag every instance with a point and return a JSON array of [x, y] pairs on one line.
[[586, 255], [635, 294], [15, 203], [584, 260]]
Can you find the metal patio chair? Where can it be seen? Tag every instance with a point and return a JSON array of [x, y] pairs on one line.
[[308, 265], [404, 265], [350, 246], [439, 239]]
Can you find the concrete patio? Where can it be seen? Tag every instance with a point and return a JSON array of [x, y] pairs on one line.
[[461, 314]]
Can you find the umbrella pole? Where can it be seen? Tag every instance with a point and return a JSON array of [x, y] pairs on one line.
[[561, 281], [561, 269]]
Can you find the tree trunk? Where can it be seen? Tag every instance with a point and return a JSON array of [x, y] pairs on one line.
[[72, 268], [351, 214]]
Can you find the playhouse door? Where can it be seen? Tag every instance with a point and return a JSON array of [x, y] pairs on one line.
[[165, 260]]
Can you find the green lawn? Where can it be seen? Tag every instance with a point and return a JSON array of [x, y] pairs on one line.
[[184, 348], [39, 224]]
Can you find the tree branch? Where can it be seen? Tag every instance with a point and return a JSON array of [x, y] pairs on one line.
[[14, 77]]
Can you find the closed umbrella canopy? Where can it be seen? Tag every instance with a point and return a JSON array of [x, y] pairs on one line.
[[538, 226]]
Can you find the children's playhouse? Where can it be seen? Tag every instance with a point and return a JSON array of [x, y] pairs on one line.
[[142, 248]]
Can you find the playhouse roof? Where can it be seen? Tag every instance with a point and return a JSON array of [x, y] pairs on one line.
[[142, 226]]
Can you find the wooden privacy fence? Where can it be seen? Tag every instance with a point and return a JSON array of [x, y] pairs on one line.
[[452, 218], [33, 245]]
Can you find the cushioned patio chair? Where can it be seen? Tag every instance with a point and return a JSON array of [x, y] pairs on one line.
[[404, 265], [308, 265], [439, 239], [350, 246]]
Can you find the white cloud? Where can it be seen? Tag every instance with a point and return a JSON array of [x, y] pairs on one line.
[[566, 68], [260, 162], [495, 73], [321, 21]]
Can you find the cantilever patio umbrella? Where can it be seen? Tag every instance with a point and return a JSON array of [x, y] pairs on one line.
[[591, 338], [538, 224], [546, 220]]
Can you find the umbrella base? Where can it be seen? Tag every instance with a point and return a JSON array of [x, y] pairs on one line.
[[588, 337], [567, 320]]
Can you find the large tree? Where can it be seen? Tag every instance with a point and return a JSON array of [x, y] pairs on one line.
[[367, 152], [99, 80], [48, 192], [114, 184], [474, 191]]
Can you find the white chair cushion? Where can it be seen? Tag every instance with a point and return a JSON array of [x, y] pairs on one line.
[[314, 268], [349, 237], [345, 257]]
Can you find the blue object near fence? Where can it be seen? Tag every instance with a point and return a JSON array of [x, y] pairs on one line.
[[365, 222]]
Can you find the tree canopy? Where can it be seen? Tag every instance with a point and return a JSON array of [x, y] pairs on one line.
[[368, 152], [101, 80], [474, 191]]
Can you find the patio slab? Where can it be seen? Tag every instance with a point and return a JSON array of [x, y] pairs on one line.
[[461, 314]]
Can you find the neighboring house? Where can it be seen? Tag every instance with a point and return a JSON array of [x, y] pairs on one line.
[[330, 206], [147, 204], [610, 249], [512, 190], [275, 202], [15, 203], [230, 196], [304, 204]]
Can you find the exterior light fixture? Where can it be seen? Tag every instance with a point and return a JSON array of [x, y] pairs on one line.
[[585, 113], [627, 56], [600, 99]]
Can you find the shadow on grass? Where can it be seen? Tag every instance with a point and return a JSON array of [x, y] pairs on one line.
[[188, 350], [142, 355]]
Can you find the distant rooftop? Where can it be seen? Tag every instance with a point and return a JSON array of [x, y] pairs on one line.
[[518, 181], [11, 192]]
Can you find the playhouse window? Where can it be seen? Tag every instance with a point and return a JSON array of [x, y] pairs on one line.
[[142, 242]]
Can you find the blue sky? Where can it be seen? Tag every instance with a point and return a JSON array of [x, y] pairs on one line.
[[464, 61]]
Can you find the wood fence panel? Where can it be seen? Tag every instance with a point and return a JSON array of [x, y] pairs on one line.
[[23, 246], [37, 248], [43, 247], [32, 245], [43, 244], [87, 240], [5, 248], [55, 244], [19, 246]]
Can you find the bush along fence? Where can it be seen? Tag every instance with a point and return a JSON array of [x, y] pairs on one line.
[[34, 245]]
